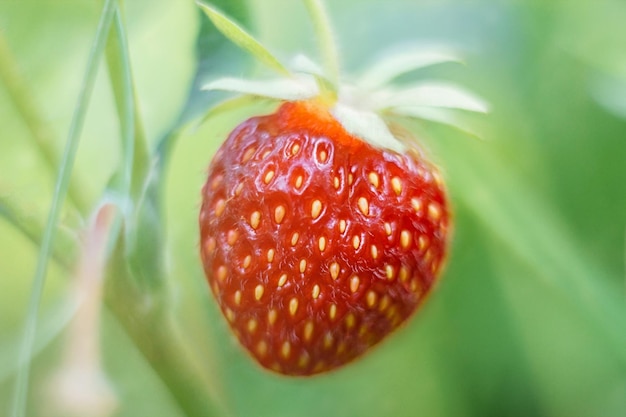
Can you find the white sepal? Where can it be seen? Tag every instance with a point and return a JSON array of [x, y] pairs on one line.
[[368, 126], [444, 116], [430, 94], [289, 89], [402, 61]]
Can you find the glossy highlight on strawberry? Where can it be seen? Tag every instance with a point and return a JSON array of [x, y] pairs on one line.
[[315, 243]]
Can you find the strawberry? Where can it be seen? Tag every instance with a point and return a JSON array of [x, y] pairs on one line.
[[322, 231], [317, 244]]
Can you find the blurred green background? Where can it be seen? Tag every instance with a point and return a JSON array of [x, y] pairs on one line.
[[529, 318]]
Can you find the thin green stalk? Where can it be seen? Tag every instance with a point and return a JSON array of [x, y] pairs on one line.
[[135, 153], [18, 408], [325, 38], [118, 65], [153, 330], [22, 98]]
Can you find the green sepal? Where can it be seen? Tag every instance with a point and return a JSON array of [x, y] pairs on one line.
[[243, 39]]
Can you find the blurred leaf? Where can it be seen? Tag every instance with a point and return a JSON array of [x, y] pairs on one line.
[[241, 38]]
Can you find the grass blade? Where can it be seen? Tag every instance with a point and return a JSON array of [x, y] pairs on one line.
[[18, 408], [243, 39]]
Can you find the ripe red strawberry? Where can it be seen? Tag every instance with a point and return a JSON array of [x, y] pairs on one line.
[[315, 243]]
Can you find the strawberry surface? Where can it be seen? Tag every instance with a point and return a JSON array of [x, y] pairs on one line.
[[315, 243]]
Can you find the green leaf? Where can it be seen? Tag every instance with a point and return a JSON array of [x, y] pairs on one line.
[[394, 64], [244, 40], [30, 326], [300, 88], [431, 94]]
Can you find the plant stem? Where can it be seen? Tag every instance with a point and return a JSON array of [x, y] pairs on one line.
[[325, 39], [148, 321], [139, 296], [135, 151], [22, 97], [67, 163]]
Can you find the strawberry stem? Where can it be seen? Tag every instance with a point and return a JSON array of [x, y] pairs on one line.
[[325, 39]]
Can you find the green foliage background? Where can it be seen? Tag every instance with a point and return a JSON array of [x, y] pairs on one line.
[[529, 318]]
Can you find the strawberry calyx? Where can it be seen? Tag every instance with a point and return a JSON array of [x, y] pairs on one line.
[[365, 107]]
